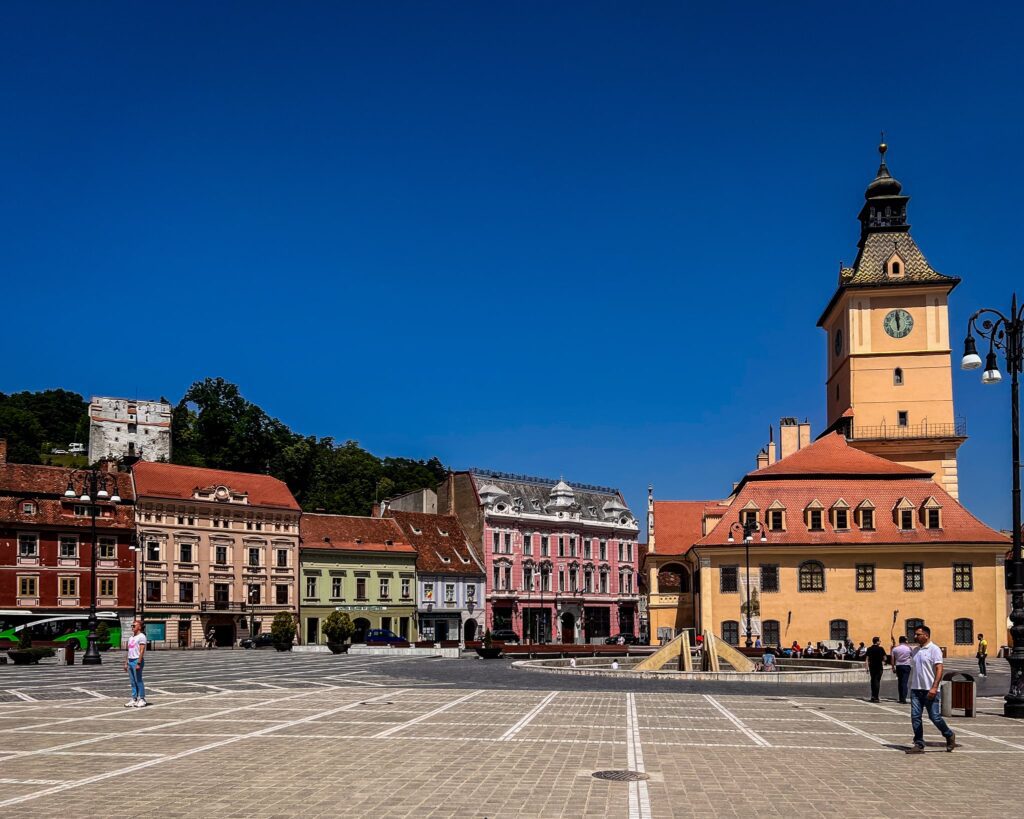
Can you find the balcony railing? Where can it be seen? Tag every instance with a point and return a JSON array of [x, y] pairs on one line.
[[221, 605], [958, 429]]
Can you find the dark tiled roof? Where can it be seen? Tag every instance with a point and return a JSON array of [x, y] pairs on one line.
[[536, 493], [355, 534], [876, 249], [159, 480], [441, 545]]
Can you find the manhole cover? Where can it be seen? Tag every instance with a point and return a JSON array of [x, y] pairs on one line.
[[620, 776]]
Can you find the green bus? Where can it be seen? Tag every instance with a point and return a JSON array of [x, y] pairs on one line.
[[56, 628]]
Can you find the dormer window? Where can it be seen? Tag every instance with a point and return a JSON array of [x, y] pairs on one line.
[[28, 508], [749, 514], [895, 268], [931, 514], [815, 513], [866, 510], [904, 514], [416, 531], [777, 517], [841, 515], [443, 532]]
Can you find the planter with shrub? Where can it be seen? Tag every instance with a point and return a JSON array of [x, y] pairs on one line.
[[282, 631], [338, 630], [488, 650], [29, 656]]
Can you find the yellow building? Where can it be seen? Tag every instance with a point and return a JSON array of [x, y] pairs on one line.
[[863, 532]]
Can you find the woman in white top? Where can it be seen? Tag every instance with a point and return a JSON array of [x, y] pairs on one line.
[[133, 665]]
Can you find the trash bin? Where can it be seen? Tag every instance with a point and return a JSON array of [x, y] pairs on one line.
[[69, 653], [958, 693]]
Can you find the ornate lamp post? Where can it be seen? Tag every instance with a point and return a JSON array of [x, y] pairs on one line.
[[1006, 333], [748, 528], [140, 590], [94, 488]]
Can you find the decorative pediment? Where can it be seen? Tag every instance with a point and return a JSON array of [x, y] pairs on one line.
[[777, 504], [931, 503], [903, 503], [220, 493], [865, 504], [840, 504], [815, 504], [751, 506]]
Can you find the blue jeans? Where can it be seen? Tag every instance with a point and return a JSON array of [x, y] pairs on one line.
[[903, 681], [918, 703], [135, 675]]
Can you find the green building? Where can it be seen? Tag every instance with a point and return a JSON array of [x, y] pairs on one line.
[[362, 566]]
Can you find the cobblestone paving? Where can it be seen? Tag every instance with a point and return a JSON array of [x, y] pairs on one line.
[[357, 742]]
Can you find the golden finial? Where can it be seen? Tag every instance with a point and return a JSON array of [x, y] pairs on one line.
[[882, 147]]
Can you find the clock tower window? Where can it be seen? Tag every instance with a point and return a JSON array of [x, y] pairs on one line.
[[897, 377], [903, 418]]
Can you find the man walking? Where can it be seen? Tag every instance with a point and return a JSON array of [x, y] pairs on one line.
[[982, 655], [925, 675], [901, 667], [874, 662], [133, 665]]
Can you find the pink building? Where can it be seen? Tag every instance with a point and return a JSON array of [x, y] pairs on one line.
[[560, 561]]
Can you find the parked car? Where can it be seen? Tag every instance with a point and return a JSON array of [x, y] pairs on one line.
[[383, 635], [504, 635], [628, 639], [259, 641], [58, 452]]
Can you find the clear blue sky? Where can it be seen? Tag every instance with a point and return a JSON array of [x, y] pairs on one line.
[[581, 239]]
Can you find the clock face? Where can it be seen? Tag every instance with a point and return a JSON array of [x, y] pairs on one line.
[[898, 323], [837, 343]]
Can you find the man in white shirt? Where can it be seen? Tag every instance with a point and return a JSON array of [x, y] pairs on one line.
[[133, 665], [925, 676]]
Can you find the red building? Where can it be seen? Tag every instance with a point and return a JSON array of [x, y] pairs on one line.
[[46, 552]]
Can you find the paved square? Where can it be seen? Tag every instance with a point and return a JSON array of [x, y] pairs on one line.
[[270, 735]]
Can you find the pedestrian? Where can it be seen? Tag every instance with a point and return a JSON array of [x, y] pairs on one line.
[[925, 676], [615, 665], [862, 651], [768, 659], [133, 665], [211, 636], [795, 648], [982, 655], [901, 667], [757, 643], [874, 662]]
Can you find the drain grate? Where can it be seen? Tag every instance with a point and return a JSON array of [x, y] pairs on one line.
[[620, 776], [378, 702]]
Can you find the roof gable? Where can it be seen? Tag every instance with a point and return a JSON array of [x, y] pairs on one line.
[[832, 455]]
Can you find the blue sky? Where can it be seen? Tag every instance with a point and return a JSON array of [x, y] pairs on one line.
[[579, 239]]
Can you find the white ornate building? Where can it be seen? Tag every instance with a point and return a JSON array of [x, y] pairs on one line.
[[123, 427]]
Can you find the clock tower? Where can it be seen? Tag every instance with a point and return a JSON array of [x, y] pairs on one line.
[[890, 384]]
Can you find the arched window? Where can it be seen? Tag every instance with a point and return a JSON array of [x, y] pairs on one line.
[[731, 632], [897, 377], [963, 631], [895, 270], [912, 625], [812, 576], [838, 630], [770, 633], [674, 578]]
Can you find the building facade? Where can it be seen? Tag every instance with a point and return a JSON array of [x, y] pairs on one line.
[[855, 546], [218, 550], [450, 581], [361, 566], [126, 428], [889, 385], [560, 561], [46, 551]]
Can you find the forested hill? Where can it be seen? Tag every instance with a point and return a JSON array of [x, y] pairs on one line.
[[214, 426]]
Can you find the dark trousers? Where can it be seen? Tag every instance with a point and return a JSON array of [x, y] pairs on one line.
[[876, 682], [903, 681], [981, 665]]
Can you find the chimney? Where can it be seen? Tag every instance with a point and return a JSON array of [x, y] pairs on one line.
[[3, 450], [762, 459], [805, 434], [771, 446], [375, 512], [789, 437]]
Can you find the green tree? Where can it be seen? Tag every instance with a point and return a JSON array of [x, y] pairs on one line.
[[337, 627], [23, 432]]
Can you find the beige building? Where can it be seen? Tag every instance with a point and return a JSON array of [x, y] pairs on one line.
[[217, 550]]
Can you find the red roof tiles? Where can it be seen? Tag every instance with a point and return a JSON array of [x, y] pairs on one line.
[[161, 480], [45, 485], [441, 545], [351, 533], [677, 526], [832, 455]]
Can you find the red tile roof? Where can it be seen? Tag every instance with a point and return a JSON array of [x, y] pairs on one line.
[[832, 455], [45, 486], [677, 526], [351, 533], [441, 545], [958, 525], [159, 480]]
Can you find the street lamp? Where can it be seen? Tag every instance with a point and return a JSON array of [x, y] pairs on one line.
[[1006, 333], [93, 487], [749, 527], [140, 590]]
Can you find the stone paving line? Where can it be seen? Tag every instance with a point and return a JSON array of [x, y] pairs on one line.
[[544, 745]]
